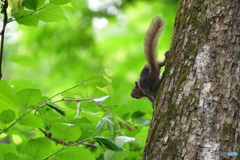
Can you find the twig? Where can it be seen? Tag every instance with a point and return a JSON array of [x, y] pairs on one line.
[[66, 90], [5, 19], [66, 144], [73, 144], [77, 100], [60, 100]]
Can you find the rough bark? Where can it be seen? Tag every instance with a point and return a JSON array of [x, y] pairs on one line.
[[199, 98]]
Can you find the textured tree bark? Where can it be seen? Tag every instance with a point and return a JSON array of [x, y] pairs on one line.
[[197, 110]]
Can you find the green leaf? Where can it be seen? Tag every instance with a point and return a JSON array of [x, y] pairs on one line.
[[107, 123], [32, 121], [31, 20], [108, 72], [51, 13], [107, 89], [94, 79], [87, 129], [22, 84], [8, 98], [19, 13], [16, 4], [107, 78], [33, 4], [120, 141], [65, 132], [109, 144], [39, 148], [56, 108], [4, 148], [7, 116], [137, 116], [111, 155], [29, 97], [60, 1], [10, 156], [123, 139], [75, 153]]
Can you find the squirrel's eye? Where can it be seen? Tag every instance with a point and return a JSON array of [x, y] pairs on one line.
[[133, 90]]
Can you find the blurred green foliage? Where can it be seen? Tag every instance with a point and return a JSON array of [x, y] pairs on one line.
[[100, 36]]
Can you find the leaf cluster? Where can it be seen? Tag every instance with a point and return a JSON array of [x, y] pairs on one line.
[[29, 12]]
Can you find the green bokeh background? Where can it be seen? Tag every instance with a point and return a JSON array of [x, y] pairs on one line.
[[51, 56]]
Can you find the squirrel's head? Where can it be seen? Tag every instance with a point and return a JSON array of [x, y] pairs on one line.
[[137, 92]]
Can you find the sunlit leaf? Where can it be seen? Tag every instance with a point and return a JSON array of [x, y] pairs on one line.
[[108, 72], [65, 132], [107, 78], [7, 116], [51, 13], [32, 121], [39, 148], [16, 5], [74, 153]]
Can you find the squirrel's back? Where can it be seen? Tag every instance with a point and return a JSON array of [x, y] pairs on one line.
[[151, 41], [148, 83]]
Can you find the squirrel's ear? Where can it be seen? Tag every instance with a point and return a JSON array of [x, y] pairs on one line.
[[136, 83]]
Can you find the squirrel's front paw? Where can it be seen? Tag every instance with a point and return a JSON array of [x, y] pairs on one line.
[[167, 54]]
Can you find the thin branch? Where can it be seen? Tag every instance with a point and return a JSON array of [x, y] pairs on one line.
[[66, 144], [60, 100], [43, 104], [77, 100], [5, 19], [66, 90], [74, 144]]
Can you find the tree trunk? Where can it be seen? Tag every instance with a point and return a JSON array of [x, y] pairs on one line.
[[197, 114]]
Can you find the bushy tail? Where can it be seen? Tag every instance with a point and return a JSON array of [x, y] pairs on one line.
[[151, 41]]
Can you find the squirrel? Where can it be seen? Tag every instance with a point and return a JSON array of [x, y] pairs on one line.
[[149, 81]]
